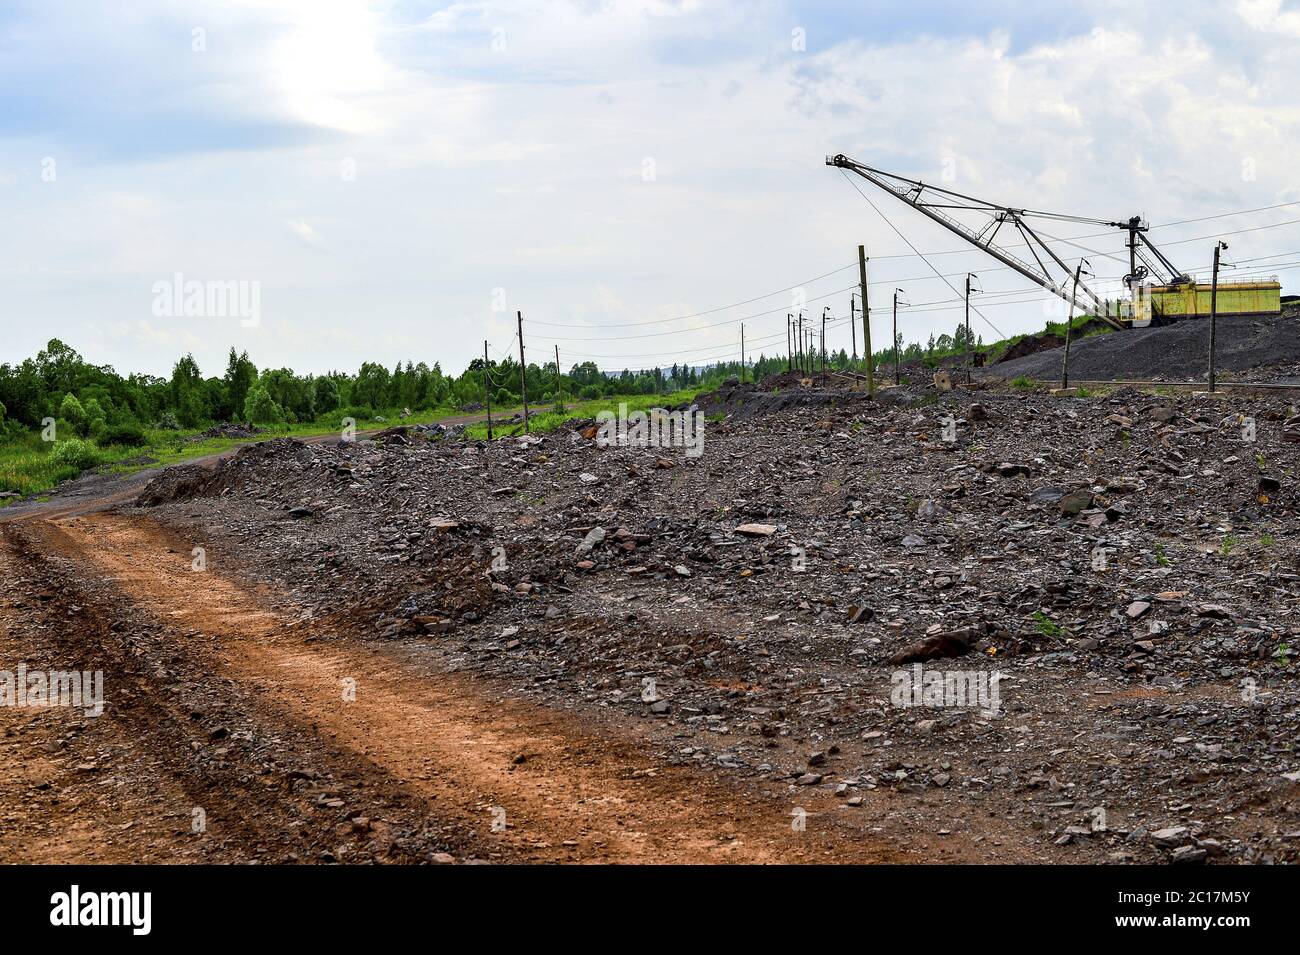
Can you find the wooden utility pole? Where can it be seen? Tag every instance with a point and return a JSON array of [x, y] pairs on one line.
[[487, 388], [824, 311], [800, 339], [523, 369], [897, 378], [789, 343], [1069, 322], [1214, 308], [559, 387], [866, 321], [742, 353], [854, 330], [968, 275]]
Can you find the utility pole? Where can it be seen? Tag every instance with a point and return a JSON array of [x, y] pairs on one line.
[[897, 374], [1069, 322], [789, 343], [866, 321], [854, 329], [824, 311], [487, 388], [970, 358], [801, 347], [1214, 308], [558, 381], [742, 353], [523, 369]]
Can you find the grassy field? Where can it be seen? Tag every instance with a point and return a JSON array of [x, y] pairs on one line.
[[540, 423], [28, 467]]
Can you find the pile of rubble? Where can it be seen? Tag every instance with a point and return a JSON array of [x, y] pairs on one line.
[[227, 430], [1117, 575], [1247, 346]]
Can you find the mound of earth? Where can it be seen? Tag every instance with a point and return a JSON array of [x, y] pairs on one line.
[[227, 430], [1177, 352]]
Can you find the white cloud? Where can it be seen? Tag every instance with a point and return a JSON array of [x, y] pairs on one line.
[[521, 166]]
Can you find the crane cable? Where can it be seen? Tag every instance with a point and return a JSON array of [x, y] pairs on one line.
[[914, 249]]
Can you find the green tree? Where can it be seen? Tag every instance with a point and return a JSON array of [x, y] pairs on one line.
[[261, 408], [240, 375], [325, 394], [371, 387], [187, 392]]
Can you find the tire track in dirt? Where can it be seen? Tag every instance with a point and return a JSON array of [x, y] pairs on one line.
[[173, 740], [58, 804], [567, 793]]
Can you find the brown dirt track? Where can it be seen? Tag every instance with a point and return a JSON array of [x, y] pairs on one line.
[[438, 745]]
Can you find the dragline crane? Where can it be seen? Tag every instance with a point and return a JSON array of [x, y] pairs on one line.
[[1047, 269]]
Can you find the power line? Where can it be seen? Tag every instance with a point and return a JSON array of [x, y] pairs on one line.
[[711, 311], [915, 254], [914, 248]]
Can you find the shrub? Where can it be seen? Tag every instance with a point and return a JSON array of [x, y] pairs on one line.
[[95, 421], [75, 453], [131, 435], [168, 422], [335, 418], [589, 392], [70, 410]]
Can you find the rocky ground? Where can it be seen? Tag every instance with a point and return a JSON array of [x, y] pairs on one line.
[[1125, 563]]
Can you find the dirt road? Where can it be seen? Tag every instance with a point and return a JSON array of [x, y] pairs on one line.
[[231, 733]]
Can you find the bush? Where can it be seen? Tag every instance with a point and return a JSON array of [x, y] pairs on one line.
[[357, 413], [130, 435], [70, 410], [589, 392], [75, 453], [96, 420], [168, 422]]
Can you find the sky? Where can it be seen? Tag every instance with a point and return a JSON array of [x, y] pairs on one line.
[[345, 181]]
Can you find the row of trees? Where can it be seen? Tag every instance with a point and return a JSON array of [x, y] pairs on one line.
[[98, 402], [95, 400]]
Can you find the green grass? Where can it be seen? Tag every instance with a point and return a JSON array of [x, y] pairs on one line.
[[1046, 625], [1026, 384], [26, 465], [995, 350], [550, 420]]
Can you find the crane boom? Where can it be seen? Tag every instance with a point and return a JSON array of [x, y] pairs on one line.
[[911, 190]]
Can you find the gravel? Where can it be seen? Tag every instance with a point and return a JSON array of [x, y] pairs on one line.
[[1114, 558]]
